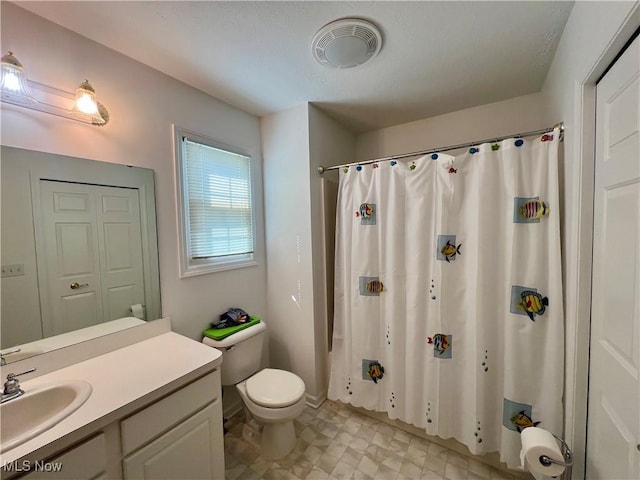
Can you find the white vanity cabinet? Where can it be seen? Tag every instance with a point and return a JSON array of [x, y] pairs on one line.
[[155, 412], [178, 437]]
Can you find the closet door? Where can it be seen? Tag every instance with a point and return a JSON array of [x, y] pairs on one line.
[[71, 298], [613, 427], [93, 254], [120, 247]]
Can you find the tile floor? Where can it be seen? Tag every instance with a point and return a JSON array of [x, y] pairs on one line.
[[336, 442]]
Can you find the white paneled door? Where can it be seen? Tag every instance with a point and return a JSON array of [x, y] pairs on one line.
[[92, 257], [613, 428]]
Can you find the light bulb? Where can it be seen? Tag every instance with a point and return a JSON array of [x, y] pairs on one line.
[[86, 104], [11, 82]]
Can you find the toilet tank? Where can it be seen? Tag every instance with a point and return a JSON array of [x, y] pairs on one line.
[[241, 353]]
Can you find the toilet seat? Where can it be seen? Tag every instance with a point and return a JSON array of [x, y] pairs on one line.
[[273, 388]]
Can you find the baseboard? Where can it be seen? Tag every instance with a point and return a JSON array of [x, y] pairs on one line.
[[314, 401], [232, 409]]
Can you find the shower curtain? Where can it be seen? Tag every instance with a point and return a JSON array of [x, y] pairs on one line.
[[448, 293]]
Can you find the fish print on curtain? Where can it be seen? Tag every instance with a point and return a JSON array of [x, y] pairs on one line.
[[448, 295]]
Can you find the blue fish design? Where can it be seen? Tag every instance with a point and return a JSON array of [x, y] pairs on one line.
[[366, 210], [440, 342]]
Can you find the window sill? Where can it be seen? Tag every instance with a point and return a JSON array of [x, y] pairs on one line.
[[206, 268]]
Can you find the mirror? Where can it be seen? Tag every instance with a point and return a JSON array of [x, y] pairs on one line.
[[79, 250]]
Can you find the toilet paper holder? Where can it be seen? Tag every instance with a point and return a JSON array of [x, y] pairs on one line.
[[566, 455]]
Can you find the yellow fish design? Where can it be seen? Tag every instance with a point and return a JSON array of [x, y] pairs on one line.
[[449, 251], [521, 420], [532, 303], [375, 371]]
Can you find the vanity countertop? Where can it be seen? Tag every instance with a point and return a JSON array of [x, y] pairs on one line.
[[123, 381], [71, 338]]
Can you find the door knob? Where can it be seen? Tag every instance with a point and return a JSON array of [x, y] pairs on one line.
[[76, 285]]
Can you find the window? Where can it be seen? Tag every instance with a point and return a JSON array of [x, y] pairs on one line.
[[215, 205]]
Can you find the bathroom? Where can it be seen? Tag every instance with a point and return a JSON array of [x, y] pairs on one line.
[[291, 296]]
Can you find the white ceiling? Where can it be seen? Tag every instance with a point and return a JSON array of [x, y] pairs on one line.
[[437, 57]]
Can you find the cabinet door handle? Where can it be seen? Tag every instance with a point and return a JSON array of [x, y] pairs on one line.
[[76, 285]]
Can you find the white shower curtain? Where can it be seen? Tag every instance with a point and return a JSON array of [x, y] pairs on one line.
[[448, 293]]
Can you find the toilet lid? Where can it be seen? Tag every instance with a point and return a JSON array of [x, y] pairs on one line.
[[275, 388]]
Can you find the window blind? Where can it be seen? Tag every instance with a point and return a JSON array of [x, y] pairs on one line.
[[217, 187]]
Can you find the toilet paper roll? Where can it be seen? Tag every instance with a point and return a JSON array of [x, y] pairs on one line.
[[137, 310], [537, 442]]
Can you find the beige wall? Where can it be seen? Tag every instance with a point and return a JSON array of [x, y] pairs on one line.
[[143, 104], [515, 115], [329, 144], [290, 315], [295, 142], [20, 322]]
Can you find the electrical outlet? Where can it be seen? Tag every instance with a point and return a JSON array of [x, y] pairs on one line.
[[12, 270]]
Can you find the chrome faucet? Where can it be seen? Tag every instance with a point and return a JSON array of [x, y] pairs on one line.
[[3, 361], [12, 386]]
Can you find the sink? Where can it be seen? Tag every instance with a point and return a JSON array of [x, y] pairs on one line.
[[40, 409]]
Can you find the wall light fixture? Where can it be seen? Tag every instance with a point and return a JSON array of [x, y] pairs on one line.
[[86, 104], [13, 82], [16, 89]]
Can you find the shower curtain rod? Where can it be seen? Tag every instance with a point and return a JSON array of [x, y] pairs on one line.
[[450, 147]]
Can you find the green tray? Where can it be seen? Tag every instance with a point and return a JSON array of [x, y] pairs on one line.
[[220, 333]]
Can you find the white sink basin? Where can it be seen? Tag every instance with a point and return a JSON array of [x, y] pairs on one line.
[[39, 409]]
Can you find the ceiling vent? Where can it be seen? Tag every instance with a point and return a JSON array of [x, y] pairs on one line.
[[346, 43]]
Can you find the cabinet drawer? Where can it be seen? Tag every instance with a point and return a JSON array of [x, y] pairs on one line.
[[85, 461], [147, 424]]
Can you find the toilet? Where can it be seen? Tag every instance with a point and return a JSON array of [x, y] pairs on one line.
[[272, 398]]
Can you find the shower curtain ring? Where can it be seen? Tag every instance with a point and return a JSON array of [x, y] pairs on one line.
[[560, 126]]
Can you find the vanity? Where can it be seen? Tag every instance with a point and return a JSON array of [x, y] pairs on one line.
[[112, 395], [154, 411]]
